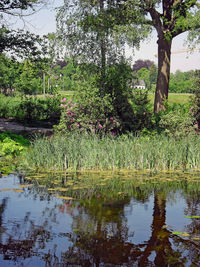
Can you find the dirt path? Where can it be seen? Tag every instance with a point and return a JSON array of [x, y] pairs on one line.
[[15, 127]]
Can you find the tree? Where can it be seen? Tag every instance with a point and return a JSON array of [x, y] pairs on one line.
[[29, 80], [143, 74], [89, 31], [16, 7], [168, 18], [175, 17], [140, 63], [18, 41], [89, 34], [181, 82], [9, 70]]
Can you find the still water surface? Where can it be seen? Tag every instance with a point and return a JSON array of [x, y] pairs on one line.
[[147, 227]]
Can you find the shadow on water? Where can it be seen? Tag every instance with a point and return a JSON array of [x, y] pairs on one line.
[[112, 221]]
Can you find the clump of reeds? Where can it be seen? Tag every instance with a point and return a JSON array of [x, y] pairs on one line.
[[90, 152]]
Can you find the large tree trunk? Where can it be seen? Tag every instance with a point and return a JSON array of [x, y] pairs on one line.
[[162, 87]]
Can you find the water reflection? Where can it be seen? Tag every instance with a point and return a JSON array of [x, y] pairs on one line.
[[37, 229]]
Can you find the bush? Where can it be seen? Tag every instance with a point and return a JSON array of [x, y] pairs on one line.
[[131, 106], [142, 117], [88, 111], [9, 106], [12, 144], [36, 109], [176, 121], [105, 106], [195, 105]]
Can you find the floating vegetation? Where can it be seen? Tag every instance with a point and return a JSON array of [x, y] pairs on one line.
[[117, 185], [192, 217], [187, 235], [98, 212], [13, 190], [180, 233], [25, 185], [67, 198]]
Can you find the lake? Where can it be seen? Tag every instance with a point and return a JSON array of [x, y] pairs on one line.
[[128, 219]]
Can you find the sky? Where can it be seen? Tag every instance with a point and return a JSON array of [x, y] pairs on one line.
[[44, 22]]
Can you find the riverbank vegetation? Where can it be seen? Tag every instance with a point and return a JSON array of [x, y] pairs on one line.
[[126, 152], [105, 122], [116, 131]]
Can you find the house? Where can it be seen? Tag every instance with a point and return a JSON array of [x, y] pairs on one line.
[[140, 84]]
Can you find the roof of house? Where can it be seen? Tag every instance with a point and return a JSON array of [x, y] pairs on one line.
[[141, 82]]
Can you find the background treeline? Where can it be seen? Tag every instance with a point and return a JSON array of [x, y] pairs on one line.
[[34, 76], [180, 82], [43, 76]]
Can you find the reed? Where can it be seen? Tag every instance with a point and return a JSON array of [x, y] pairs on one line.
[[126, 152]]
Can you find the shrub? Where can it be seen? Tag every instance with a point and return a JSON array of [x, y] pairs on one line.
[[176, 120], [195, 105], [35, 109], [88, 112], [105, 106], [9, 106], [12, 144]]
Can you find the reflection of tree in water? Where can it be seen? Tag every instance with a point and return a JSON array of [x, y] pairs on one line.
[[2, 209], [25, 238], [192, 209], [100, 240], [100, 236]]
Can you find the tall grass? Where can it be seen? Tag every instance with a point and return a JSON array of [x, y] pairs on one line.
[[86, 152]]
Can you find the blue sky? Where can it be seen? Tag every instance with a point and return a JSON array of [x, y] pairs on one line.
[[44, 22]]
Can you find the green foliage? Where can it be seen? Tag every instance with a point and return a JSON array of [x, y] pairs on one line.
[[21, 44], [8, 106], [181, 82], [148, 75], [29, 81], [142, 117], [195, 107], [65, 74], [117, 80], [12, 144], [36, 109], [30, 109], [105, 107], [176, 121], [91, 152], [132, 108], [94, 31], [18, 42], [144, 74], [9, 70], [89, 111]]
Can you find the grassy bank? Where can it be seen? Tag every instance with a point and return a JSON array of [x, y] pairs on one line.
[[173, 98], [86, 152]]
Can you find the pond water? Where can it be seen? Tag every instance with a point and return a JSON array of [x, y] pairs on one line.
[[150, 223]]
